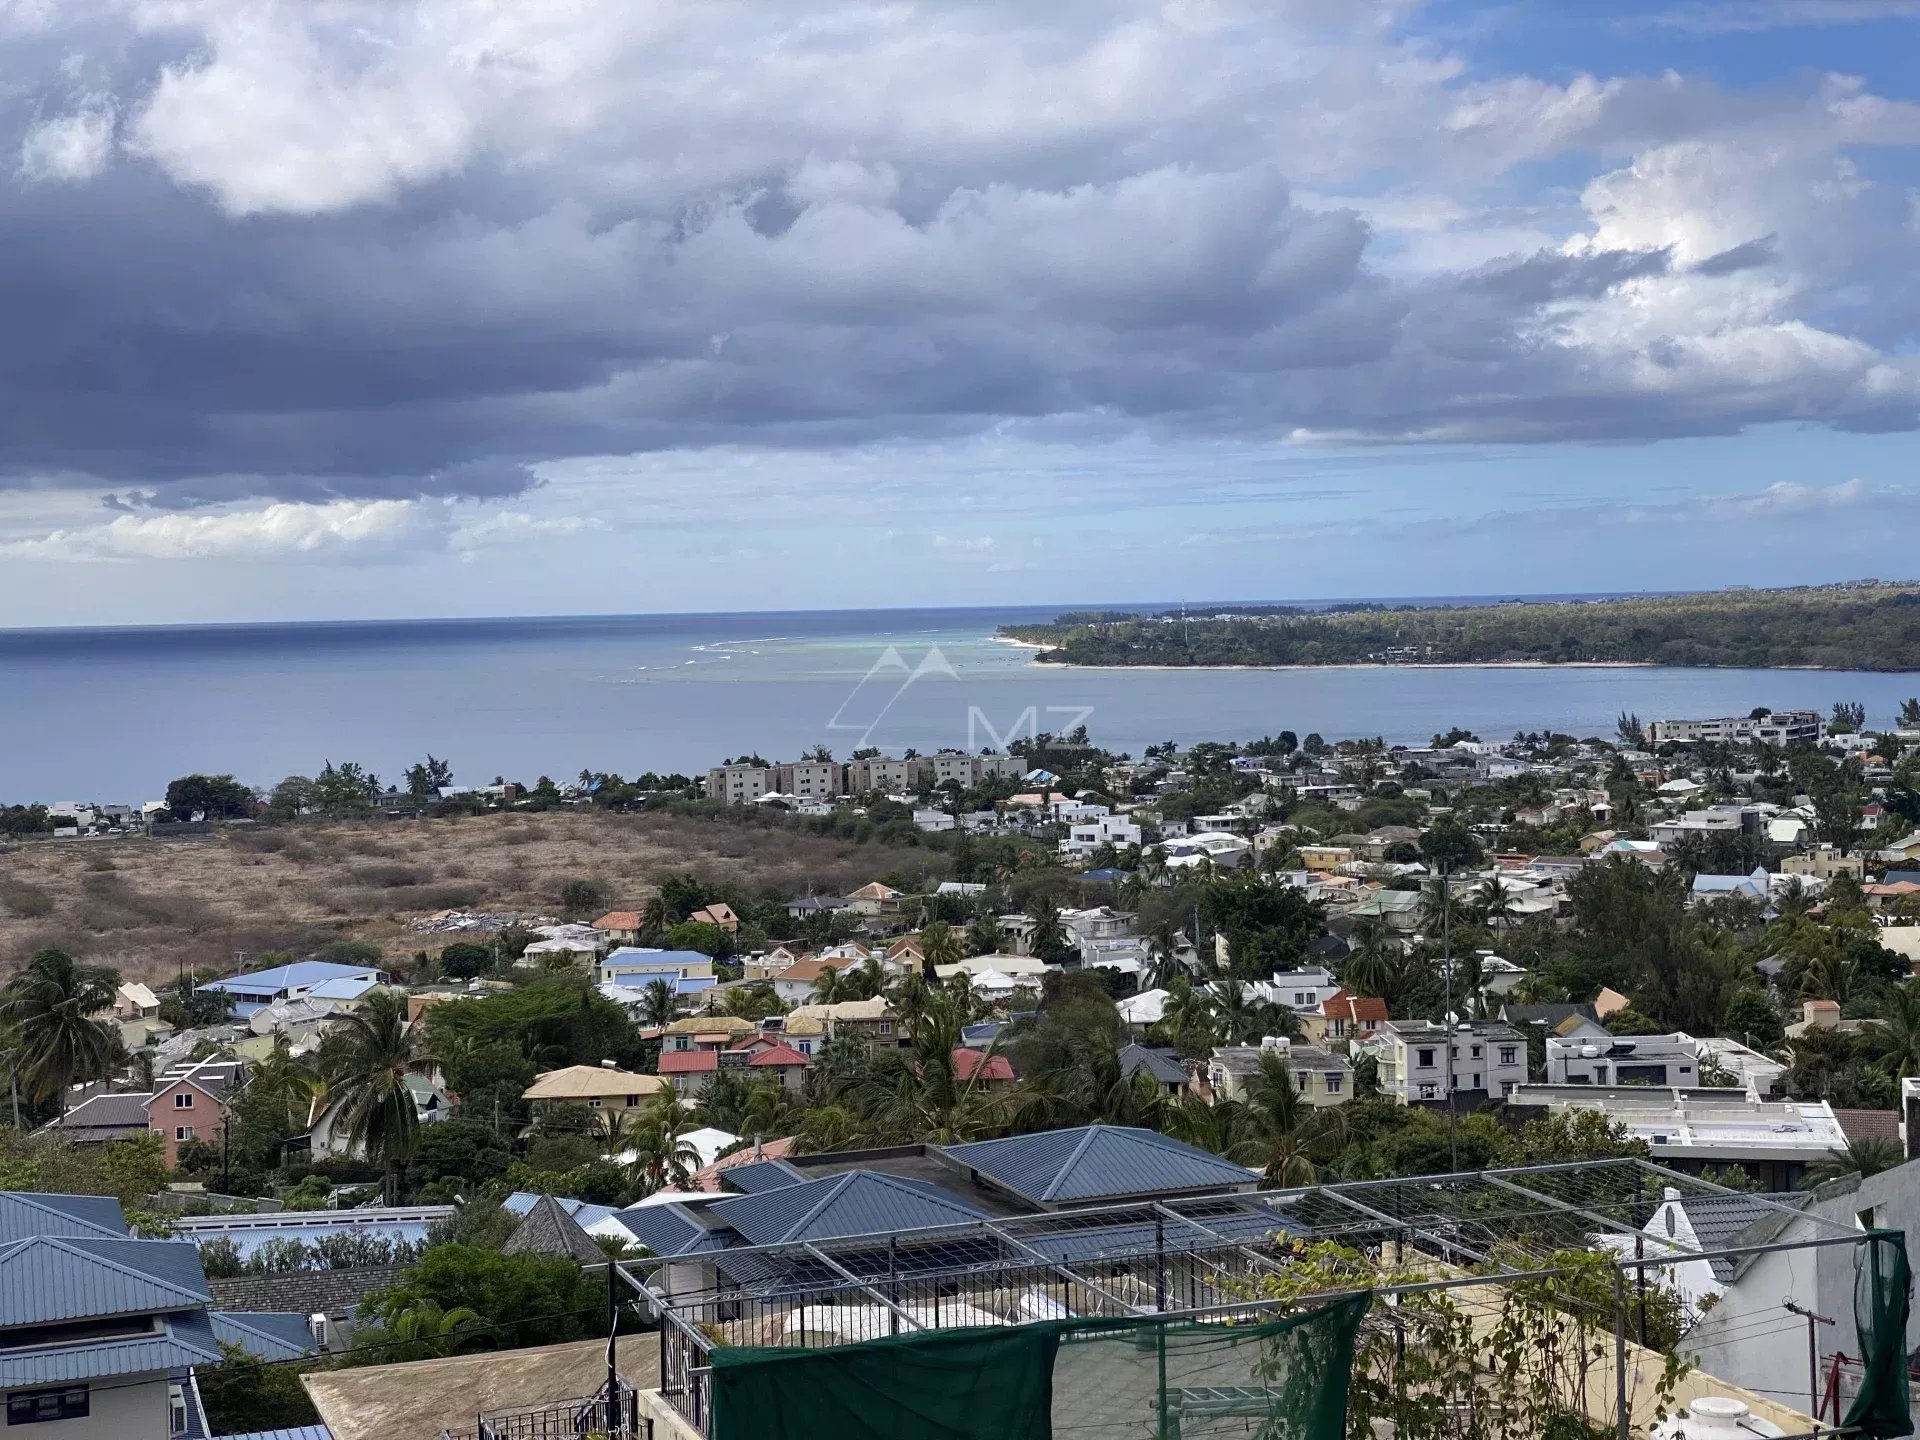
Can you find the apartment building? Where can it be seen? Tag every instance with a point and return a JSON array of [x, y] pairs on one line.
[[1770, 727], [1321, 1077], [882, 772], [810, 779], [739, 784], [1424, 1060]]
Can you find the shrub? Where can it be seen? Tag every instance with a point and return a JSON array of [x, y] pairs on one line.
[[584, 897]]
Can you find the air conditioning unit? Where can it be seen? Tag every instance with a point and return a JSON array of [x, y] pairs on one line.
[[322, 1331]]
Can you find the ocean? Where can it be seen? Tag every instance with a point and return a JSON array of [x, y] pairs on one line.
[[111, 715]]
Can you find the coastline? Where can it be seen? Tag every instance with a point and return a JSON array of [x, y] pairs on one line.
[[1375, 664]]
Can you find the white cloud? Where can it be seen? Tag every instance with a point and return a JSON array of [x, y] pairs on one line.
[[1786, 497], [963, 544], [69, 147], [340, 529], [508, 527]]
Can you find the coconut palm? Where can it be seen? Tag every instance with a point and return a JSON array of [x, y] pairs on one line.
[[983, 934], [48, 1009], [1897, 1037], [1829, 975], [1439, 906], [1243, 1017], [1867, 1155], [426, 1332], [1188, 1016], [1296, 1138], [1369, 967], [832, 987], [919, 1095], [289, 1085], [1494, 901], [369, 1083], [939, 945], [662, 1154], [658, 1002], [825, 1128], [865, 980]]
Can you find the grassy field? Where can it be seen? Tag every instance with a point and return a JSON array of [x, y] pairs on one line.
[[148, 907]]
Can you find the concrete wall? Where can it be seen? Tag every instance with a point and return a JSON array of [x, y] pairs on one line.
[[120, 1408]]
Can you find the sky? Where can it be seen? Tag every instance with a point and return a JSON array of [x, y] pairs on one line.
[[362, 308]]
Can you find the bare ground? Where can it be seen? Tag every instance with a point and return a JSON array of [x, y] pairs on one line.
[[149, 907]]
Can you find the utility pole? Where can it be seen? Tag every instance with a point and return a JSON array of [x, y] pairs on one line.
[[1813, 1320], [1446, 960], [613, 1371]]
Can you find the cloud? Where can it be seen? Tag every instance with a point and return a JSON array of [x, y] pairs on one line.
[[403, 250], [1786, 497], [356, 529], [963, 545], [70, 147]]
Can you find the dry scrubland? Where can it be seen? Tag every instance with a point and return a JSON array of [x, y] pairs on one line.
[[149, 906]]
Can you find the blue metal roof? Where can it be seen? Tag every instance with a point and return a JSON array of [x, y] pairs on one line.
[[584, 1215], [855, 1202], [271, 1335], [643, 957], [288, 977], [1097, 1162], [177, 1347], [761, 1176], [23, 1216], [671, 1230], [48, 1279]]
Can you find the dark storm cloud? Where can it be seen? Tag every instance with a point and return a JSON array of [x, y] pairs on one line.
[[310, 258]]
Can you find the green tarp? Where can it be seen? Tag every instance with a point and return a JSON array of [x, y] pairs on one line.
[[1882, 1294], [1148, 1378]]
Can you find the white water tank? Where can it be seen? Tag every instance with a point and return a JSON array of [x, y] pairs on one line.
[[1715, 1417]]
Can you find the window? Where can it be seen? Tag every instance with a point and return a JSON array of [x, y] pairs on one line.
[[1424, 1059], [1333, 1084], [183, 1132], [594, 1103], [176, 1410], [1508, 1054], [1300, 1079], [183, 1100], [886, 1027], [1476, 1052], [633, 1100], [30, 1407]]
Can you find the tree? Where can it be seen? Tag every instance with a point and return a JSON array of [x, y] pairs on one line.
[[939, 945], [464, 959], [1867, 1155], [214, 796], [662, 1154], [244, 1394], [1449, 845], [658, 1002], [581, 896], [520, 1299], [428, 778], [708, 939], [1295, 1138], [369, 1082], [423, 1331], [1849, 717], [1632, 734], [1752, 1019], [49, 1008], [1897, 1037], [1049, 934], [1910, 714], [1836, 817]]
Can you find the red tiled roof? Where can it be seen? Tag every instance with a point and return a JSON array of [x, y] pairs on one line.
[[688, 1062], [1359, 1009], [708, 1177], [778, 1055], [618, 920], [967, 1062]]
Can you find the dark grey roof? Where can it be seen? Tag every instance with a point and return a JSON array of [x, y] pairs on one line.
[[672, 1230], [1719, 1220], [268, 1335], [1097, 1162], [855, 1202], [1160, 1064], [23, 1216], [307, 1292], [760, 1176], [107, 1115], [547, 1229], [48, 1279]]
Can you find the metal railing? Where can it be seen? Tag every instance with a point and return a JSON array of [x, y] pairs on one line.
[[561, 1419]]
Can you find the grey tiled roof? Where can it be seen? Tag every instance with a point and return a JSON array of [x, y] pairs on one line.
[[547, 1229], [305, 1292], [1097, 1162], [1719, 1220], [112, 1114], [855, 1202]]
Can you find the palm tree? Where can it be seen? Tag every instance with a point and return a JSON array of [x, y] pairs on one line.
[[865, 980], [825, 1128], [1495, 902], [939, 945], [289, 1086], [1188, 1015], [49, 1008], [832, 987], [920, 1095], [1829, 976], [370, 1083], [1369, 969], [658, 1002], [1438, 905], [426, 1332], [1244, 1017], [662, 1154], [1867, 1155], [1297, 1138], [1897, 1037]]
